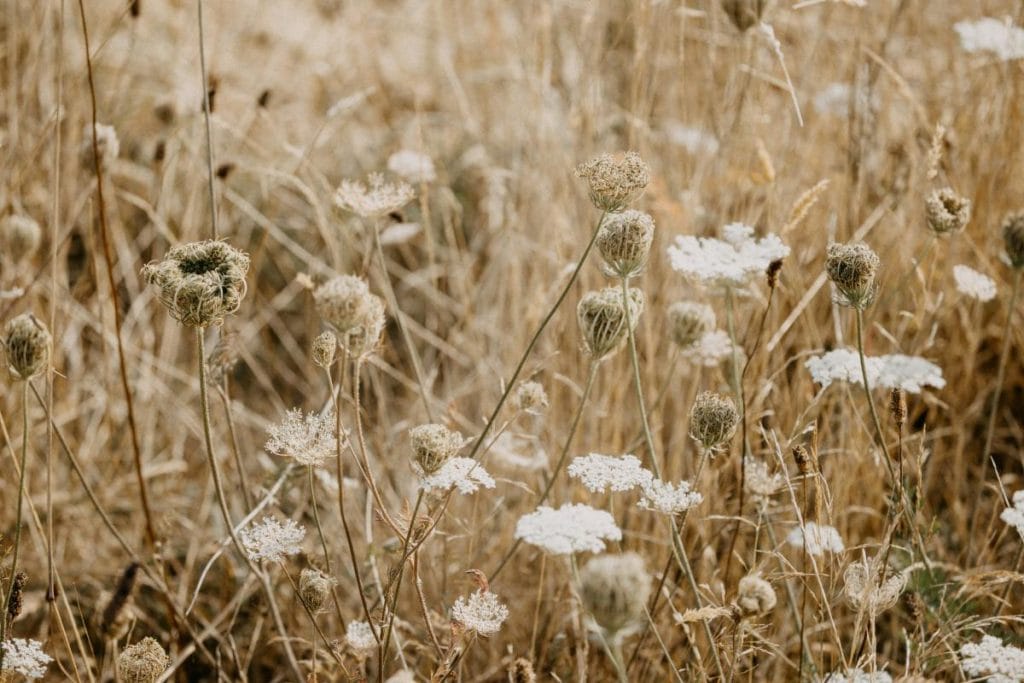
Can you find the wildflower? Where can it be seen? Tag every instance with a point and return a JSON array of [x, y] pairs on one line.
[[689, 321], [1001, 38], [142, 662], [693, 140], [667, 498], [379, 199], [520, 451], [713, 420], [973, 284], [25, 657], [859, 676], [1014, 516], [359, 636], [614, 590], [615, 184], [990, 658], [19, 236], [1013, 237], [759, 484], [834, 99], [712, 349], [531, 398], [271, 540], [743, 13], [200, 283], [602, 319], [345, 303], [401, 676], [728, 262], [465, 474], [947, 212], [309, 439], [600, 472], [895, 371], [860, 583], [412, 166], [817, 538], [572, 528], [852, 269], [433, 445], [755, 596], [107, 144], [26, 344], [481, 613], [324, 347], [314, 589], [624, 241]]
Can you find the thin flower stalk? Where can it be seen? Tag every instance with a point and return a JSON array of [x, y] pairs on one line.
[[396, 589], [612, 649], [17, 524]]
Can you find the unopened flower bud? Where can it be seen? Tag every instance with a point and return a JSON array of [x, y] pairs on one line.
[[624, 241]]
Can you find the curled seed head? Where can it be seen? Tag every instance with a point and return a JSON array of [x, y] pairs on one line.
[[142, 662], [713, 420], [602, 319], [345, 303], [200, 283], [615, 184], [27, 346], [852, 269], [324, 347], [615, 589], [744, 13], [1013, 237], [946, 211], [433, 445], [530, 397], [624, 241], [314, 589], [688, 321], [19, 236], [755, 596]]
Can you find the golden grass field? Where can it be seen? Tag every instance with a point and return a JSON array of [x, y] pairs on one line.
[[838, 132]]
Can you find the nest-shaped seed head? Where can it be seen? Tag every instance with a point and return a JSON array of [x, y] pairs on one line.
[[602, 319], [325, 346], [433, 445], [314, 589], [947, 212], [346, 304], [143, 662], [755, 596], [200, 283], [624, 241], [27, 346], [713, 420], [1013, 238], [688, 321], [615, 589], [615, 184], [852, 269]]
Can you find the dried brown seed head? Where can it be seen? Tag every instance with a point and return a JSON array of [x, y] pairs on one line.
[[200, 283], [27, 346]]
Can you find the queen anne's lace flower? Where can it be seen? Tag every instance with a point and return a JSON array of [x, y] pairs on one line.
[[895, 371], [482, 612], [1000, 38], [712, 348], [309, 439], [378, 199], [668, 498], [990, 658], [465, 474], [412, 166], [359, 636], [271, 540], [760, 483], [1014, 516], [731, 261], [974, 284], [572, 528], [602, 472], [818, 538], [858, 676], [25, 657]]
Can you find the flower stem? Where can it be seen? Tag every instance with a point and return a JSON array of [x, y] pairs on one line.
[[17, 525]]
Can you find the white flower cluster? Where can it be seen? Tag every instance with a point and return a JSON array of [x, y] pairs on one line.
[[991, 659], [378, 199], [974, 284], [713, 348], [1000, 38], [600, 473], [817, 538], [1014, 516], [359, 636], [834, 99], [271, 540], [482, 612], [858, 676], [308, 439], [465, 474], [572, 528], [412, 166], [731, 261], [894, 371], [696, 141], [25, 657]]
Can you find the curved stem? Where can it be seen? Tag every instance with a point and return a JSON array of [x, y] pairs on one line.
[[637, 382]]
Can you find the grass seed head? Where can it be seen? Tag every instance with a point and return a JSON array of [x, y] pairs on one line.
[[852, 268], [947, 212], [200, 283], [27, 346]]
